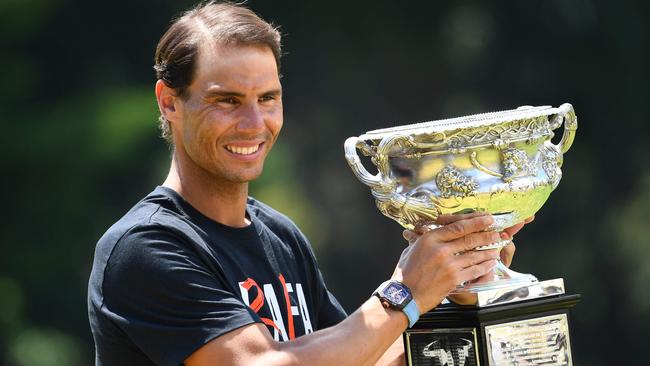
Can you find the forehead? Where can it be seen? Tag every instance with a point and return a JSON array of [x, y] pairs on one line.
[[236, 66]]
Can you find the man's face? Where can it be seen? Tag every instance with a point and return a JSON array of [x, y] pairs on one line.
[[233, 114]]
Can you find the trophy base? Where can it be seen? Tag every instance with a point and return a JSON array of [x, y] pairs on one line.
[[530, 332], [507, 291]]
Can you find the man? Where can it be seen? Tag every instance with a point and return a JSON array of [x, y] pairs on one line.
[[198, 273]]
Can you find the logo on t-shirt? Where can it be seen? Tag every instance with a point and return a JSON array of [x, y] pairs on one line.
[[266, 301]]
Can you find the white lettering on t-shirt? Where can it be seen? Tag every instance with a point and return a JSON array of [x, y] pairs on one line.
[[294, 309], [304, 312], [244, 293], [265, 297], [276, 314]]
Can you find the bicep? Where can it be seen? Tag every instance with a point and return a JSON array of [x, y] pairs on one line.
[[249, 345], [158, 292]]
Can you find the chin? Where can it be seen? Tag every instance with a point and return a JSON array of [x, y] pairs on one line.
[[246, 177]]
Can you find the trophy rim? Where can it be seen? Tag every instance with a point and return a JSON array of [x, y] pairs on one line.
[[465, 122]]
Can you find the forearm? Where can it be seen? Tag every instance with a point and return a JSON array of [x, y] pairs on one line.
[[361, 339], [394, 356]]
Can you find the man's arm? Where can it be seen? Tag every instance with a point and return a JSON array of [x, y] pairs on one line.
[[430, 267], [394, 355]]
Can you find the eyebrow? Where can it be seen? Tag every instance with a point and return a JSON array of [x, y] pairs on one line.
[[227, 93]]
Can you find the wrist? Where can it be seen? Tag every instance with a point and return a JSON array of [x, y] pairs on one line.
[[397, 296], [391, 313]]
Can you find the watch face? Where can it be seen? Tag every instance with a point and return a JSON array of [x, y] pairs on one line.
[[395, 294]]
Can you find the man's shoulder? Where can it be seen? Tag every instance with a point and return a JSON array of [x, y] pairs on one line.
[[155, 212], [271, 217], [151, 227]]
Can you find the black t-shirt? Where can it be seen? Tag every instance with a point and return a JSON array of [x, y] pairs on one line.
[[166, 280]]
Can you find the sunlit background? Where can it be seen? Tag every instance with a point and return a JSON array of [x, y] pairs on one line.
[[80, 145]]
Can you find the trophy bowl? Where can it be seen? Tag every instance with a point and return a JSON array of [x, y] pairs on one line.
[[503, 163]]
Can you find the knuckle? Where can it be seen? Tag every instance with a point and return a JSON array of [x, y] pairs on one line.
[[477, 272], [441, 253], [468, 242], [454, 277], [456, 228]]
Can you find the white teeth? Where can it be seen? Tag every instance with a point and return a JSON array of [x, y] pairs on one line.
[[242, 150]]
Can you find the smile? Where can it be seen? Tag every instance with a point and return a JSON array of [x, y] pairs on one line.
[[240, 150]]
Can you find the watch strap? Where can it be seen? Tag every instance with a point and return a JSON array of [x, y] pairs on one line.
[[412, 312]]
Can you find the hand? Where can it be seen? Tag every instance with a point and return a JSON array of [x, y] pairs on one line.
[[508, 251], [432, 265]]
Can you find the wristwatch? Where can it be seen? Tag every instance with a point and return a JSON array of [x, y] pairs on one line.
[[395, 295]]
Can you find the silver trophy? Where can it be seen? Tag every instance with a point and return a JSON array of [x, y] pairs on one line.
[[503, 163]]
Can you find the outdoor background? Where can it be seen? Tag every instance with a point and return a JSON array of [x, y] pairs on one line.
[[80, 145]]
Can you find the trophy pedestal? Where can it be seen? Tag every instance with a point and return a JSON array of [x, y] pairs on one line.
[[525, 332]]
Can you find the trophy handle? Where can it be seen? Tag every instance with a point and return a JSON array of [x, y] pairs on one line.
[[570, 126], [410, 212], [373, 181]]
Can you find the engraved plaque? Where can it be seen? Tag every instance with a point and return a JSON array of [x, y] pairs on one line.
[[442, 347], [530, 342]]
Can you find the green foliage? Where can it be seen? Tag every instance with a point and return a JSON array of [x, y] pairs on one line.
[[632, 242], [37, 347]]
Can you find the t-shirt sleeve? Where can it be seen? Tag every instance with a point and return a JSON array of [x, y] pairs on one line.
[[159, 290]]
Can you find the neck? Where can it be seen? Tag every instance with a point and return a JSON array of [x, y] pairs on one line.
[[223, 202]]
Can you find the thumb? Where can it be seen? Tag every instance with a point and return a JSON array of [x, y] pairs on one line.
[[410, 236]]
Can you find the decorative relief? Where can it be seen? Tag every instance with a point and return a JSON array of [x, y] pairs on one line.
[[551, 163], [533, 129], [410, 212], [452, 183], [515, 162]]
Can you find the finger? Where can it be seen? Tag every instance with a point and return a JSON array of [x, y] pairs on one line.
[[529, 220], [488, 277], [512, 230], [458, 229], [507, 253], [473, 240], [475, 257], [476, 271], [449, 218]]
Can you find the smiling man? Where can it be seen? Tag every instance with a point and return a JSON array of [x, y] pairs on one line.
[[199, 273]]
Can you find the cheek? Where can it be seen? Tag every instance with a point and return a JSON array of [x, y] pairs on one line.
[[275, 120]]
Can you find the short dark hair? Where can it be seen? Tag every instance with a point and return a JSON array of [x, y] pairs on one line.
[[225, 23]]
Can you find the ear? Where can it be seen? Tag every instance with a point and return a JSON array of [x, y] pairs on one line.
[[167, 102]]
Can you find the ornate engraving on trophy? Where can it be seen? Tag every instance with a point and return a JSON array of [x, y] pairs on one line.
[[515, 163], [452, 183], [551, 163], [442, 347], [535, 128], [532, 342]]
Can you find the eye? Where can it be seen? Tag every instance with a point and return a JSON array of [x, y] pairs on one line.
[[266, 98], [228, 100]]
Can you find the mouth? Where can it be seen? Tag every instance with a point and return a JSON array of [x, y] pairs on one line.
[[243, 150]]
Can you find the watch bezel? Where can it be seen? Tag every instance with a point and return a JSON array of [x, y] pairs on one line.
[[382, 294]]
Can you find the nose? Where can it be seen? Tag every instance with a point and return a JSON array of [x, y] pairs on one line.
[[251, 119]]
